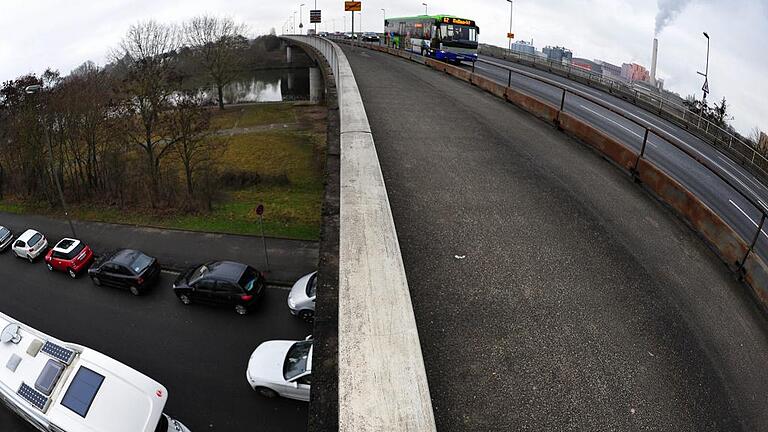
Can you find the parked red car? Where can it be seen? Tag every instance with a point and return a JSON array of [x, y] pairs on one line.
[[69, 255]]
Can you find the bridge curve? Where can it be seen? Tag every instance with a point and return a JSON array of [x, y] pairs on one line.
[[550, 292]]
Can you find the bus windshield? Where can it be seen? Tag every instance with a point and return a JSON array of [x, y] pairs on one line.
[[454, 32]]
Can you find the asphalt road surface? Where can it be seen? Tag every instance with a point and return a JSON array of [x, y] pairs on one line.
[[199, 353], [726, 201], [552, 293]]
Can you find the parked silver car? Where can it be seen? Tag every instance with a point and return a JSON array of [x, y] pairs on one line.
[[6, 238], [301, 299]]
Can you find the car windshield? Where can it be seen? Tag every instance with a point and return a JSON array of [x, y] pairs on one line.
[[34, 240], [198, 273], [74, 252], [312, 286], [296, 359], [3, 232], [141, 263], [162, 424], [249, 279]]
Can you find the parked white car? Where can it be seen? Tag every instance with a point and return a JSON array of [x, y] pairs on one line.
[[30, 245], [301, 299], [282, 368], [6, 237]]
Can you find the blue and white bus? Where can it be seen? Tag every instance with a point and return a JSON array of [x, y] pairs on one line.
[[442, 37]]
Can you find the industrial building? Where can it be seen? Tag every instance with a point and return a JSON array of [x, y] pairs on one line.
[[558, 54]]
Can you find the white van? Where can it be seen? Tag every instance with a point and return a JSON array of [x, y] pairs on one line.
[[62, 387]]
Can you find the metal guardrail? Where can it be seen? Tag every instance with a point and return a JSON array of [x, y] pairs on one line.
[[382, 383], [706, 130], [648, 129]]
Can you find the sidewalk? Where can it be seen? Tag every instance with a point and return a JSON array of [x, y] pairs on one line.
[[176, 250]]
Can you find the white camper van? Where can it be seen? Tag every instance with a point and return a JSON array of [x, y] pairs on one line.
[[63, 387]]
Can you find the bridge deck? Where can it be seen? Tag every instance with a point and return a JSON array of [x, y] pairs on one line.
[[551, 292]]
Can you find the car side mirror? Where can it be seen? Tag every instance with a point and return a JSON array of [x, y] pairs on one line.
[[308, 338]]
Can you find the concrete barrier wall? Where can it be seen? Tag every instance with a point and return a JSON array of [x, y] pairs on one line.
[[724, 240], [382, 382]]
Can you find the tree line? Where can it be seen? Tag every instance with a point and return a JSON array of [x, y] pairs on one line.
[[135, 132]]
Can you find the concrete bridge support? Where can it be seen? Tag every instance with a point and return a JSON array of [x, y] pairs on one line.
[[288, 54], [316, 85]]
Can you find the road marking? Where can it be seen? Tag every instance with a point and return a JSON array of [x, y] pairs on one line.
[[732, 165], [660, 125], [747, 216], [613, 121], [170, 272]]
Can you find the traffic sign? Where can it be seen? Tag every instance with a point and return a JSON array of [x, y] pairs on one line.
[[260, 209], [314, 17], [510, 35], [705, 87], [353, 6]]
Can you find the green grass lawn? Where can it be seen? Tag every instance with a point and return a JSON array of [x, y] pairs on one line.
[[292, 207], [253, 115]]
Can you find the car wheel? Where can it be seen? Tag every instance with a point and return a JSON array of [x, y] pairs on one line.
[[266, 392], [50, 267], [185, 299], [30, 259], [96, 281], [241, 310], [307, 315], [135, 291], [72, 273]]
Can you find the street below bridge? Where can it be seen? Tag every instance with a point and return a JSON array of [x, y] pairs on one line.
[[550, 291]]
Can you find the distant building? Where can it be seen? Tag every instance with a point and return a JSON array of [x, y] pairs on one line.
[[524, 47], [610, 70], [635, 72], [558, 54], [587, 65]]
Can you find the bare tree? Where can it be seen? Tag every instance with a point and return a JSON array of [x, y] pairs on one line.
[[189, 122], [147, 55], [218, 43]]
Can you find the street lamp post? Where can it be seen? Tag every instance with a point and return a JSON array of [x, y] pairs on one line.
[[511, 5], [705, 87], [316, 23], [36, 89], [301, 18], [293, 30], [426, 9]]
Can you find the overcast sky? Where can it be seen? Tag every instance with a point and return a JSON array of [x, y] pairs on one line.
[[64, 33]]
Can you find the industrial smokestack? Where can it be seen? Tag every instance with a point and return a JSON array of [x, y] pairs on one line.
[[653, 61]]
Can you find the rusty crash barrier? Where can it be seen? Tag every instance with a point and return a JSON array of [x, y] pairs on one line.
[[737, 253]]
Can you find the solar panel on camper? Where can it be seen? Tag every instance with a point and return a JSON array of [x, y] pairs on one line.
[[58, 352], [37, 399], [82, 391]]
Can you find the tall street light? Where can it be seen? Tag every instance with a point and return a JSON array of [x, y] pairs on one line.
[[705, 87], [301, 18], [293, 30], [37, 89], [509, 36], [426, 9], [384, 14]]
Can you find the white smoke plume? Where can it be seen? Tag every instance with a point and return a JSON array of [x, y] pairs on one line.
[[668, 10]]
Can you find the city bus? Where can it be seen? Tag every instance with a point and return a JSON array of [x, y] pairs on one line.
[[442, 37], [63, 387]]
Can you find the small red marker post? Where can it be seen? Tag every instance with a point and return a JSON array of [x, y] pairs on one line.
[[260, 212]]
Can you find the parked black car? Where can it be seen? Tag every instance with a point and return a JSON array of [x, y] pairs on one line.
[[221, 283], [370, 37], [127, 269]]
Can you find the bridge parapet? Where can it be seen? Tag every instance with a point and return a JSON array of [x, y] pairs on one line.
[[382, 382]]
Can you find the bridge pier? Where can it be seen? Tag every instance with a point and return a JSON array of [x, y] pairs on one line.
[[316, 85], [288, 54]]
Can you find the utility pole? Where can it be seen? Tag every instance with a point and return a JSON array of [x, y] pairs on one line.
[[509, 36], [315, 23]]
